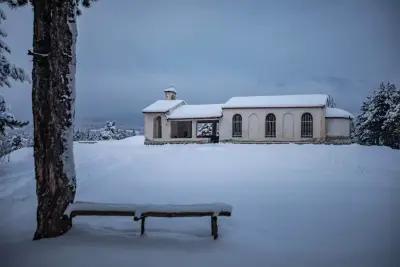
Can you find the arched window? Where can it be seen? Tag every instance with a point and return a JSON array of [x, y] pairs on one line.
[[306, 125], [270, 125], [157, 130], [237, 126]]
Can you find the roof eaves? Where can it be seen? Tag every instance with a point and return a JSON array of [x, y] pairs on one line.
[[195, 118]]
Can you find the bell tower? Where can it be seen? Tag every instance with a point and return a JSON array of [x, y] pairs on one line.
[[170, 93]]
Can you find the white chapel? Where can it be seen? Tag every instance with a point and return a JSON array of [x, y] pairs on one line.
[[308, 118]]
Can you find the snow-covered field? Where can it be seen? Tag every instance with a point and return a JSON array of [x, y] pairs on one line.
[[293, 205]]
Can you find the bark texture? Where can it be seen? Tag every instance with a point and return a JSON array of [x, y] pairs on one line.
[[53, 99]]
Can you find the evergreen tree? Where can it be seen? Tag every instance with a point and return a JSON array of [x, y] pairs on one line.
[[16, 142], [53, 105], [8, 71], [376, 124], [391, 126]]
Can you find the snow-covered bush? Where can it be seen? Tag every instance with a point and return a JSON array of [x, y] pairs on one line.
[[7, 119], [5, 146], [205, 129], [13, 141], [379, 121], [109, 132]]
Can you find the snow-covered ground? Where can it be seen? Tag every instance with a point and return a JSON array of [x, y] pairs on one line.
[[293, 205]]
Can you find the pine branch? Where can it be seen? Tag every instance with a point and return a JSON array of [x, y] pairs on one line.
[[85, 3], [14, 3]]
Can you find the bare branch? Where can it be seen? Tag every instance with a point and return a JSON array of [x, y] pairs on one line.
[[31, 53]]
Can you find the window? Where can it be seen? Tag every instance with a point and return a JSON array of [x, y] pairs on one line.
[[157, 132], [237, 126], [181, 129], [306, 125], [270, 125]]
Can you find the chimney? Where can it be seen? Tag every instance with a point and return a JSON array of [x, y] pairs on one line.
[[170, 93]]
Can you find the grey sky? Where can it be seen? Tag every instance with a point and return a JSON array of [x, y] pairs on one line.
[[212, 50]]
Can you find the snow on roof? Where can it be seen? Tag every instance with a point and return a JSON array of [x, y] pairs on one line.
[[197, 112], [338, 113], [162, 105], [170, 89], [315, 100]]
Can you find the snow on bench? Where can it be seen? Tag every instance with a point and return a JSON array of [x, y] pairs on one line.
[[140, 212], [95, 208], [213, 209]]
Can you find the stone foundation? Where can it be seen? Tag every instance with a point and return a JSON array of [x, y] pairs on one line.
[[308, 141], [153, 142], [328, 140], [338, 140]]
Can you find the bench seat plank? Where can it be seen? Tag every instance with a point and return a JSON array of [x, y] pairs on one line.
[[102, 209], [192, 210], [146, 210], [182, 214]]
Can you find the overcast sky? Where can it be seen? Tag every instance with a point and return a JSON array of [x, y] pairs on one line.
[[213, 50]]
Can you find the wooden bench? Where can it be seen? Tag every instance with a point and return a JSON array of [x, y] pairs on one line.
[[141, 212]]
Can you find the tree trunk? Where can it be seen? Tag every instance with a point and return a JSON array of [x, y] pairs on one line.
[[53, 100]]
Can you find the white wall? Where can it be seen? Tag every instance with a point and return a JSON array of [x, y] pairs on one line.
[[253, 126], [148, 124], [338, 127], [257, 133]]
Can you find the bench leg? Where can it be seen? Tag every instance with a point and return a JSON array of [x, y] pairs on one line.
[[142, 226], [214, 227]]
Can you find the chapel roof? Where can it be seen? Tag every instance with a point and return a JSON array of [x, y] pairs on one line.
[[162, 106], [276, 101], [196, 112], [338, 113]]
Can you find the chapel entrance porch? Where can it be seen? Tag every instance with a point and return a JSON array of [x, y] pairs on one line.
[[195, 129]]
